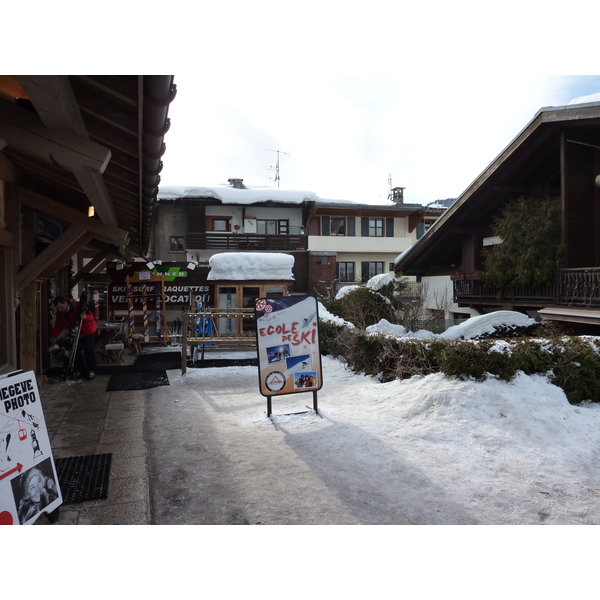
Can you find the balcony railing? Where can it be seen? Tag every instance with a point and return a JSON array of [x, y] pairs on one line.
[[246, 242], [579, 287], [573, 287]]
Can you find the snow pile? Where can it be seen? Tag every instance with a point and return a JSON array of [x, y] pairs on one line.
[[345, 290], [247, 195], [230, 195], [476, 326], [379, 281], [325, 315], [586, 99], [471, 328], [384, 326], [243, 266]]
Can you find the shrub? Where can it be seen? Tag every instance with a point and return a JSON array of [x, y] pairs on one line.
[[572, 363]]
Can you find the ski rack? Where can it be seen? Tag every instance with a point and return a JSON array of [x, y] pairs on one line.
[[213, 336], [156, 298]]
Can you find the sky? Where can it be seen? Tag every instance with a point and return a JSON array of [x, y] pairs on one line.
[[345, 137], [427, 94]]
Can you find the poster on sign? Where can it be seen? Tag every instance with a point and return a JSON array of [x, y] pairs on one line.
[[28, 481], [289, 357]]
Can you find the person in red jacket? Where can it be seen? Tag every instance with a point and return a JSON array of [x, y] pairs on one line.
[[67, 314]]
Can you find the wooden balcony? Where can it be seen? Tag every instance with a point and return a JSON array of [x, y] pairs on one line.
[[246, 242], [572, 287]]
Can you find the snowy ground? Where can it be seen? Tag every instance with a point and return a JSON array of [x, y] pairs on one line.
[[431, 450]]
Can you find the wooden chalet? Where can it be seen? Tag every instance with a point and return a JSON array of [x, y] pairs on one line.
[[556, 156], [80, 158]]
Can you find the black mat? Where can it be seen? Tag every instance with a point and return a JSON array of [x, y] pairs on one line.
[[225, 362], [159, 360], [83, 478], [124, 381]]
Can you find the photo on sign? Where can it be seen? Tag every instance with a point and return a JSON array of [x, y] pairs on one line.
[[305, 380], [278, 353], [297, 364], [34, 490]]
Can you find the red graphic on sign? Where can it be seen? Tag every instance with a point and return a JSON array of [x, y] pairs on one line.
[[6, 518], [13, 470], [260, 304]]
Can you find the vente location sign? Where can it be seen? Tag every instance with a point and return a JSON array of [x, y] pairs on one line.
[[289, 357]]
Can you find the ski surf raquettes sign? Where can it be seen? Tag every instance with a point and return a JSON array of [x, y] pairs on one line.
[[287, 333]]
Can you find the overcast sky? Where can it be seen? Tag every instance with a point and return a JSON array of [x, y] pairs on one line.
[[427, 95], [351, 92]]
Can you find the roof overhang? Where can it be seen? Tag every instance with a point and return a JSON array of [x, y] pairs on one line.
[[474, 204], [79, 141]]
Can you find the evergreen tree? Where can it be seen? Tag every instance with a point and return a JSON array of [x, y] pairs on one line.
[[530, 230]]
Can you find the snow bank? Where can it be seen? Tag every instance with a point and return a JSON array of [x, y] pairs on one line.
[[379, 281], [471, 328], [242, 266], [476, 326], [325, 315]]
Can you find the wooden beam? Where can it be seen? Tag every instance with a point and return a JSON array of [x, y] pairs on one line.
[[95, 189], [6, 238], [106, 233], [54, 101], [25, 131], [55, 255], [97, 261]]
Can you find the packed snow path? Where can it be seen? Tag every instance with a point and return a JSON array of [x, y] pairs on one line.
[[428, 450]]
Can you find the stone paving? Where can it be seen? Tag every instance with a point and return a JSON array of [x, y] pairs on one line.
[[83, 419]]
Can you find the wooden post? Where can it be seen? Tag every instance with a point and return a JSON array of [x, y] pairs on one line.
[[184, 343], [28, 334]]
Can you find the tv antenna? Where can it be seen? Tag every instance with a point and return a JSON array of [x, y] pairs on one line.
[[276, 168]]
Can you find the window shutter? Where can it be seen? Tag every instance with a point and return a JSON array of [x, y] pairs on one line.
[[364, 267], [325, 227], [196, 219], [364, 226], [389, 227], [352, 226]]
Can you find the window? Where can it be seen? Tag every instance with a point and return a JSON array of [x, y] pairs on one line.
[[219, 224], [177, 244], [375, 227], [370, 269], [322, 260], [346, 271], [272, 226], [337, 226], [375, 268], [266, 227]]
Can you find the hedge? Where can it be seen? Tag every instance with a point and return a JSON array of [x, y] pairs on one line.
[[570, 362]]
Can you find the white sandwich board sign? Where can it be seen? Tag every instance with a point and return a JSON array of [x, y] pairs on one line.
[[28, 482]]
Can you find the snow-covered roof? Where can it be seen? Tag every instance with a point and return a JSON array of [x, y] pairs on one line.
[[251, 266], [586, 99], [247, 195]]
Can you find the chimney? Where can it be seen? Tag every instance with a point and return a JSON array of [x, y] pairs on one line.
[[398, 195], [237, 183]]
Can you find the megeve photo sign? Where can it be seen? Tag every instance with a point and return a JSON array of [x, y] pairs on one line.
[[28, 481]]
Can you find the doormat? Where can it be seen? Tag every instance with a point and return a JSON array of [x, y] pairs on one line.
[[159, 360], [137, 380], [209, 363], [83, 478]]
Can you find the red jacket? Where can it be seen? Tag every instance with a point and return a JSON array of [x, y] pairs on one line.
[[67, 321]]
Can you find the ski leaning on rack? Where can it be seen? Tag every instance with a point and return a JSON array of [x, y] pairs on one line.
[[71, 348]]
